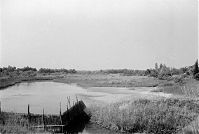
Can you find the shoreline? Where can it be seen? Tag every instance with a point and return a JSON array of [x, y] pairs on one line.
[[5, 83]]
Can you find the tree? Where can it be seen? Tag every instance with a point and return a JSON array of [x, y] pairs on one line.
[[156, 66], [161, 66], [195, 70]]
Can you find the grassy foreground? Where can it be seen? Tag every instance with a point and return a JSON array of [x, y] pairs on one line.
[[17, 123], [164, 116]]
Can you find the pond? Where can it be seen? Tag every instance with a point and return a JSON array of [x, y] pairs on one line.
[[48, 95]]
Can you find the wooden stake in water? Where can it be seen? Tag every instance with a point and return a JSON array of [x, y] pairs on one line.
[[0, 106], [68, 98], [60, 117], [60, 113], [43, 120], [28, 109], [28, 115]]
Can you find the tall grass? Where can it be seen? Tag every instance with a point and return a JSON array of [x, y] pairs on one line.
[[165, 116], [18, 123], [190, 89]]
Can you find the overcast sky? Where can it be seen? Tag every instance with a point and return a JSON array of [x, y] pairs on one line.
[[98, 34]]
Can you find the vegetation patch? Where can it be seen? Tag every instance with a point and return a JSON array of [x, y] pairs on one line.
[[18, 123], [190, 89], [165, 116]]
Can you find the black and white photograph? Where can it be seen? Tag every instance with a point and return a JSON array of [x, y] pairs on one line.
[[99, 67]]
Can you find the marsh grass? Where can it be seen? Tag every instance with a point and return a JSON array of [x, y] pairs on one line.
[[190, 89], [110, 80], [164, 116], [13, 123], [17, 123]]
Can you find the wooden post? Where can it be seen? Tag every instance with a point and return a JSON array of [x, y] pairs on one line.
[[0, 107], [68, 98], [28, 109], [28, 115], [43, 120], [60, 117], [60, 113]]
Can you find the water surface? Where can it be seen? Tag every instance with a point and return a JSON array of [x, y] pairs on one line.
[[38, 95], [49, 95]]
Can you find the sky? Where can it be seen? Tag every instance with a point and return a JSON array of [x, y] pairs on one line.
[[98, 34]]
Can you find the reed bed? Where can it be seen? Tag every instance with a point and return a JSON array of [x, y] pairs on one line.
[[190, 89], [18, 123], [163, 116]]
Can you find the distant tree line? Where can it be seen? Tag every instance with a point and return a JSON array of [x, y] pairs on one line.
[[160, 71], [163, 72], [125, 72], [17, 72], [47, 70], [11, 71]]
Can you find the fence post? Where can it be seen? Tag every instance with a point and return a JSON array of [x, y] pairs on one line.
[[68, 98], [43, 120], [60, 118], [28, 116], [0, 107]]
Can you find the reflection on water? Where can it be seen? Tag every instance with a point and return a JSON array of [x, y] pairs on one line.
[[89, 128]]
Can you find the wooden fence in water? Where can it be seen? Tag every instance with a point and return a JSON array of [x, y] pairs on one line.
[[63, 121], [75, 112]]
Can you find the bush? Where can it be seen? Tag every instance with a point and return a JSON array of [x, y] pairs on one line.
[[196, 76]]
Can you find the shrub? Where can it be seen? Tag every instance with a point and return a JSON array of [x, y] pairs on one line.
[[196, 76]]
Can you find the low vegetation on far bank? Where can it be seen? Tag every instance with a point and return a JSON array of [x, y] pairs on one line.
[[11, 75]]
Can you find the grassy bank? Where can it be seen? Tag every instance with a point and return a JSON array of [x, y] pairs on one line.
[[190, 88], [165, 116], [18, 123]]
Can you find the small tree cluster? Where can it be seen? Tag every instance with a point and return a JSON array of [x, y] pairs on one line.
[[196, 71], [124, 72], [163, 72], [48, 70], [17, 72]]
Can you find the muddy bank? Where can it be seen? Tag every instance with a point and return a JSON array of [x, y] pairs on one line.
[[108, 95]]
